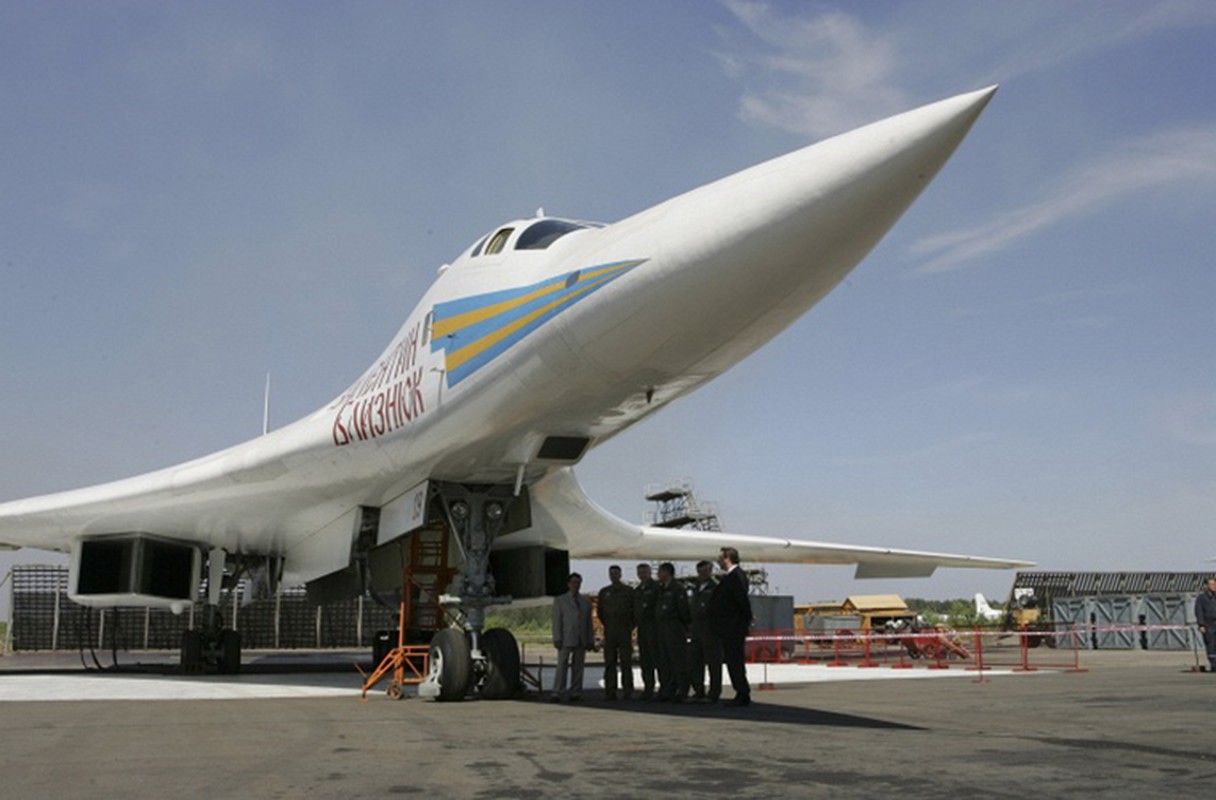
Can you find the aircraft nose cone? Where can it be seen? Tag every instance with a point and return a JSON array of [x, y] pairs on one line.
[[819, 210], [736, 261]]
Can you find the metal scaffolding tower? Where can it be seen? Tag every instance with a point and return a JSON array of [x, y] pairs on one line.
[[676, 506]]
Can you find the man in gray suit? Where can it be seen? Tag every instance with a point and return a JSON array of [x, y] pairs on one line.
[[573, 637]]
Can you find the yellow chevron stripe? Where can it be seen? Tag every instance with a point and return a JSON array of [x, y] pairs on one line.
[[453, 324], [473, 349]]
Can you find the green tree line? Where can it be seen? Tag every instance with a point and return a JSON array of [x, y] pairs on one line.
[[535, 623]]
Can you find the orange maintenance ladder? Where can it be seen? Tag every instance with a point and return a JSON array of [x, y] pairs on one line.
[[429, 573]]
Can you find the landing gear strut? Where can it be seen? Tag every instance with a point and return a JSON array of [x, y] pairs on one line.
[[211, 647], [487, 661]]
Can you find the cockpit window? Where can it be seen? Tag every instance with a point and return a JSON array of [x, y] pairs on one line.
[[498, 241], [544, 233], [477, 249]]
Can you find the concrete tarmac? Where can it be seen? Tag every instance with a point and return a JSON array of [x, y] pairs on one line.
[[1134, 725]]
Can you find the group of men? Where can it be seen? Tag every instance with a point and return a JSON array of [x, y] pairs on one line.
[[682, 635]]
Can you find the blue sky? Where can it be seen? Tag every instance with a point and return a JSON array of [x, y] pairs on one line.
[[197, 194]]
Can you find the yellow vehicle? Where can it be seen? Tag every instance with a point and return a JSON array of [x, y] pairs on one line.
[[1024, 614], [858, 614]]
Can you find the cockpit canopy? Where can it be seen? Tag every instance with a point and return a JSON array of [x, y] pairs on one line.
[[538, 235]]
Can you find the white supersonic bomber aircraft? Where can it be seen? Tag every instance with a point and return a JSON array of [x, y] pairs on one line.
[[545, 338]]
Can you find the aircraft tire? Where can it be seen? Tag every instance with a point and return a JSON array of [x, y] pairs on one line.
[[502, 664], [192, 651], [451, 664], [230, 652]]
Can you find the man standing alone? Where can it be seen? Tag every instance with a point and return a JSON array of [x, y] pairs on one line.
[[573, 637], [615, 610], [1205, 618], [733, 617]]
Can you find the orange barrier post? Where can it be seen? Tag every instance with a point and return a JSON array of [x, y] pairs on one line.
[[867, 662], [1076, 657], [836, 660], [940, 654], [978, 652], [806, 651], [1024, 646], [904, 663]]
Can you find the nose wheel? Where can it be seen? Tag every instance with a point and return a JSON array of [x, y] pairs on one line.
[[451, 667], [455, 668], [500, 652]]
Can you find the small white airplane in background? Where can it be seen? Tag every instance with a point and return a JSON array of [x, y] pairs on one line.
[[985, 611], [545, 338]]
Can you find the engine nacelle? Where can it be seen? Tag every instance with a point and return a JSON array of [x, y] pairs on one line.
[[134, 569]]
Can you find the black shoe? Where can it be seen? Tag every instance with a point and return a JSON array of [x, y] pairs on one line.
[[610, 696], [738, 702], [646, 695], [576, 698], [555, 698]]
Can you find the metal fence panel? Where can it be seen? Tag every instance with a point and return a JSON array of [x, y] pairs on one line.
[[1072, 621], [1111, 615], [1169, 610]]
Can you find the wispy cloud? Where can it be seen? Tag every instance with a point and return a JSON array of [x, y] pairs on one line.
[[1186, 156], [1087, 293], [813, 75], [1060, 33], [825, 71]]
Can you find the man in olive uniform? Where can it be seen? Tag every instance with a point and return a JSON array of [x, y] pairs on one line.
[[672, 617], [645, 596], [706, 649], [615, 610]]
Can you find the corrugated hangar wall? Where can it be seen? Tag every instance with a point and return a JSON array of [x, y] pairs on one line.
[[43, 618], [1119, 610]]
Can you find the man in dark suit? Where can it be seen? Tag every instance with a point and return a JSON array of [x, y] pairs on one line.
[[732, 614]]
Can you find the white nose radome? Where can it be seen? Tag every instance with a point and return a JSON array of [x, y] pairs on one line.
[[734, 262]]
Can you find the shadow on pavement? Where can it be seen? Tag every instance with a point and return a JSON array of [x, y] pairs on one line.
[[756, 712]]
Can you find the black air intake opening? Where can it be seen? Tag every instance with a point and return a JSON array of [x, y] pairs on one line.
[[563, 448]]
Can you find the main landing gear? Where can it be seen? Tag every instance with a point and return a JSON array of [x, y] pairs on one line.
[[211, 647], [455, 669], [485, 662]]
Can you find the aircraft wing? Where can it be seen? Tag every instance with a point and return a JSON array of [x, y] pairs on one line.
[[562, 509], [274, 495]]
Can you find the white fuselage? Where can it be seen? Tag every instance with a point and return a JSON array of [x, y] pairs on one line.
[[580, 339]]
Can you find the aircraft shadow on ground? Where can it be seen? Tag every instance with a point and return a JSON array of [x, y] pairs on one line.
[[756, 712]]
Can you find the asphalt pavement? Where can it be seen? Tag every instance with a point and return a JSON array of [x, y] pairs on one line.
[[1133, 725]]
